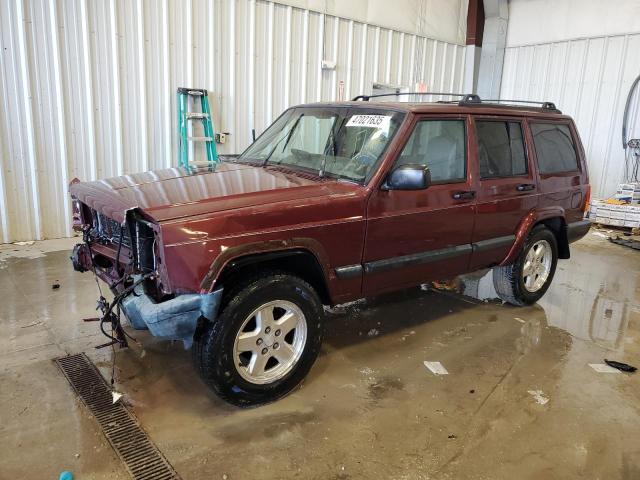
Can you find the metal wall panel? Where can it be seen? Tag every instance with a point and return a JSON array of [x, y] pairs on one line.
[[88, 86], [589, 79]]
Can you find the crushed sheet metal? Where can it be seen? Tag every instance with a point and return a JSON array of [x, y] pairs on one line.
[[436, 368], [603, 368], [140, 456]]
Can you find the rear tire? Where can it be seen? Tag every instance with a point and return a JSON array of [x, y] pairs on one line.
[[526, 280], [264, 342]]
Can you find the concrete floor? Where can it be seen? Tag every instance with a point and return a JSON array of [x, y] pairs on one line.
[[369, 408]]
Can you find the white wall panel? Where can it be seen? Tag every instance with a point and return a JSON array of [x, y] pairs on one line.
[[589, 79], [88, 86]]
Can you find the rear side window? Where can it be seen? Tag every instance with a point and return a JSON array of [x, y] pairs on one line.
[[554, 148], [500, 149], [439, 145]]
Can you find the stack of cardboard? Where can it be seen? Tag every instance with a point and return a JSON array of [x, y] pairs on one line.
[[621, 211], [629, 192]]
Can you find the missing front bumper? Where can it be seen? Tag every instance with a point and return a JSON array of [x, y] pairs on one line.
[[174, 319]]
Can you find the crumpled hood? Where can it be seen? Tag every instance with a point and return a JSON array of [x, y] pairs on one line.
[[177, 192]]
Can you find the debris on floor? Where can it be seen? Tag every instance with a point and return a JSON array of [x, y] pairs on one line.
[[625, 367], [436, 368], [444, 285], [373, 332], [603, 368], [519, 319], [634, 244], [406, 335], [116, 396], [539, 397], [66, 475], [55, 285]]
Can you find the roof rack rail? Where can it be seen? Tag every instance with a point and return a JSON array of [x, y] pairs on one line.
[[467, 99], [544, 105]]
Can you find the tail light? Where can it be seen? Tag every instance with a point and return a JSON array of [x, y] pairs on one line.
[[587, 199]]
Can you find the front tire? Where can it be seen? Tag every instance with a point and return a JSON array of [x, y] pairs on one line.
[[264, 342], [526, 280]]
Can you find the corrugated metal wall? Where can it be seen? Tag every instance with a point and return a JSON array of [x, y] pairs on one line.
[[87, 86], [588, 79]]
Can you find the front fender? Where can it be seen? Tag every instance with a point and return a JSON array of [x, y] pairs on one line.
[[264, 247]]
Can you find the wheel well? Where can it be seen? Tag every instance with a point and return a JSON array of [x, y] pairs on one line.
[[299, 262], [558, 226]]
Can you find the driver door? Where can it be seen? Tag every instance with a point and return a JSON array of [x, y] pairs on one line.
[[415, 236]]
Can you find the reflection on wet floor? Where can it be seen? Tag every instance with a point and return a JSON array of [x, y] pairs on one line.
[[596, 298], [369, 408]]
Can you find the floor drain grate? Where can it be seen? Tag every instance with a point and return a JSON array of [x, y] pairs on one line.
[[139, 455]]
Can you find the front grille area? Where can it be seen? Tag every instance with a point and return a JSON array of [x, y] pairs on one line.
[[138, 236], [108, 230]]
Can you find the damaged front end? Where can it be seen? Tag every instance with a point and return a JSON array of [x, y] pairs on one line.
[[175, 319], [127, 257]]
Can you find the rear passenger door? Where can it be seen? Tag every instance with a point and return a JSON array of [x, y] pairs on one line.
[[507, 187]]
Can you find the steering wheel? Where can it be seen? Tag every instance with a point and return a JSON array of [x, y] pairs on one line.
[[360, 163]]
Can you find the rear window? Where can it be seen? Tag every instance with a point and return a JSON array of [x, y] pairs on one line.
[[500, 149], [554, 146]]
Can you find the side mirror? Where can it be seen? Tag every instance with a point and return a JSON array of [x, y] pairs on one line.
[[408, 177]]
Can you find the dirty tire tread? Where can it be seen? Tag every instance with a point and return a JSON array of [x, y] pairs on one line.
[[211, 353], [507, 278]]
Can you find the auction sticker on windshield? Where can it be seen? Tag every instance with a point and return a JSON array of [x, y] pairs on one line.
[[373, 121]]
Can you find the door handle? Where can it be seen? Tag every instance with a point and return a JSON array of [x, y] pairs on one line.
[[525, 187], [469, 195]]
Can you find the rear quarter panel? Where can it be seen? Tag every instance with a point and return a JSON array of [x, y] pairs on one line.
[[564, 190]]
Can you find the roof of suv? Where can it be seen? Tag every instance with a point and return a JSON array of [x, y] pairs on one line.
[[484, 108]]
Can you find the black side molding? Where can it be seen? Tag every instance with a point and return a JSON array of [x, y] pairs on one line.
[[416, 258], [577, 230], [484, 245], [348, 271]]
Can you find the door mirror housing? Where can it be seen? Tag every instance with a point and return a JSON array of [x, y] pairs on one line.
[[408, 177]]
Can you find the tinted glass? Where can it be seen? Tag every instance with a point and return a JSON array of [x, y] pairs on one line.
[[439, 145], [554, 148], [500, 149], [340, 142]]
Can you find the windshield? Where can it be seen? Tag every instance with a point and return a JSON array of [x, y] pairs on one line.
[[342, 142]]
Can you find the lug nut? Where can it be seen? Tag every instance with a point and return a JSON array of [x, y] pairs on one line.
[[264, 351], [277, 333], [276, 345], [259, 341], [267, 330]]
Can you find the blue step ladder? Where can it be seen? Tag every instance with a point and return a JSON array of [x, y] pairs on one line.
[[185, 116]]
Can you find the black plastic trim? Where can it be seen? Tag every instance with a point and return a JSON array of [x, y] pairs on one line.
[[416, 258], [348, 271], [492, 243], [577, 230]]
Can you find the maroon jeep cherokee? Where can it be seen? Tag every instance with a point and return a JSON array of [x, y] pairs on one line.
[[333, 202]]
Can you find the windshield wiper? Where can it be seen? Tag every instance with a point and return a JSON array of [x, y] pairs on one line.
[[288, 137]]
